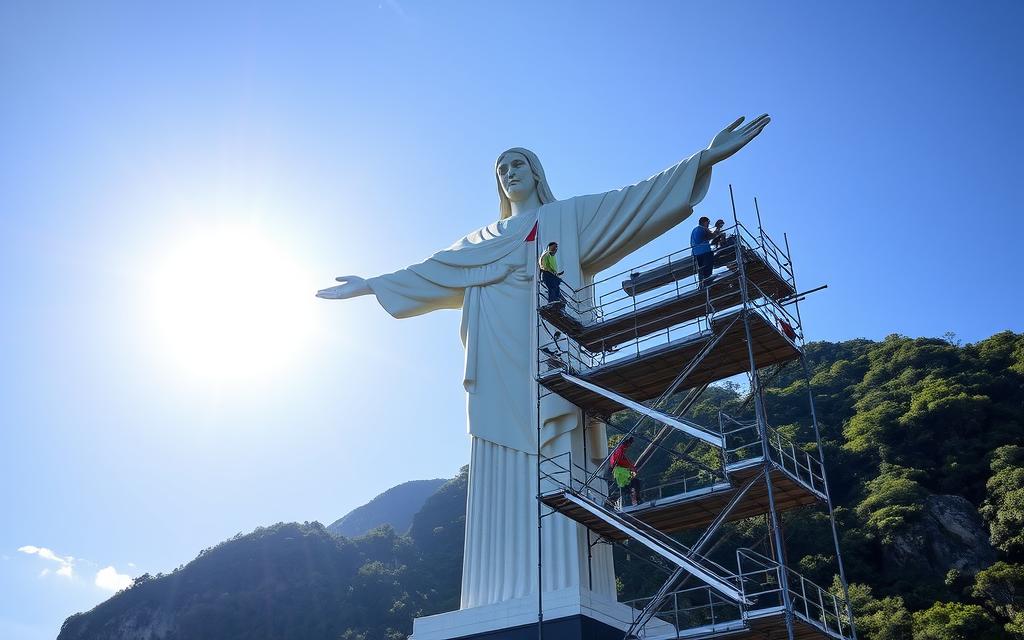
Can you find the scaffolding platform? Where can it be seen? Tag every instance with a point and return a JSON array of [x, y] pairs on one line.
[[648, 373], [700, 507], [686, 511], [672, 308]]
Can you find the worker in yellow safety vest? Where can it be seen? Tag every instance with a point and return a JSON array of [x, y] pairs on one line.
[[550, 274]]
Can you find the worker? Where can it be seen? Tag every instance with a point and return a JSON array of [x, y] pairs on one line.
[[550, 273], [700, 245], [624, 472]]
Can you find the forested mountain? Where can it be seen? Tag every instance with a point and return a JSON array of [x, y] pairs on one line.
[[395, 507], [924, 444], [297, 581]]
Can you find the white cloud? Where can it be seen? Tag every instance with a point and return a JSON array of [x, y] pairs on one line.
[[108, 578], [43, 552], [66, 562]]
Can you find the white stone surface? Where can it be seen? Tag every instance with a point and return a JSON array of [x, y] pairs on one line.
[[522, 611], [490, 273]]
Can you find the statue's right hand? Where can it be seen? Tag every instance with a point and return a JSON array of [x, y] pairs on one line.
[[351, 287]]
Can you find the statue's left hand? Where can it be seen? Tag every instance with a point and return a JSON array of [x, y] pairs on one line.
[[351, 287], [733, 138]]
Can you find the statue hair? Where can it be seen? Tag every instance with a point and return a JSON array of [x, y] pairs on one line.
[[543, 189]]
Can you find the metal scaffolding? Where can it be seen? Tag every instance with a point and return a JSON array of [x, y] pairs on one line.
[[651, 340]]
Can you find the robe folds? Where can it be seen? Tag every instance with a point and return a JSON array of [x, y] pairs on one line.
[[490, 275]]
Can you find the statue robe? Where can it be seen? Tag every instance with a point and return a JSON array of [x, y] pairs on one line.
[[489, 274]]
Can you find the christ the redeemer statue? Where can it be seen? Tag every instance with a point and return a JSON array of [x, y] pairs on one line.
[[490, 275]]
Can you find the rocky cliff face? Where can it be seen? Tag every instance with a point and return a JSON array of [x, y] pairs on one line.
[[949, 536], [139, 624]]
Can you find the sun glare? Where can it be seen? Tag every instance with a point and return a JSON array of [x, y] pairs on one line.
[[230, 305]]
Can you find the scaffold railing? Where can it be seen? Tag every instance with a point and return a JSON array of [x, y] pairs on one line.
[[687, 485], [761, 584], [621, 307], [671, 275], [693, 611], [562, 352], [700, 611], [745, 446]]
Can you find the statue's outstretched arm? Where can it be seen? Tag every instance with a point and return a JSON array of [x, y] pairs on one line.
[[731, 139], [351, 287], [614, 224], [403, 294]]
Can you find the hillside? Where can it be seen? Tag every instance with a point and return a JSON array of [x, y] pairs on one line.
[[294, 581], [925, 446], [395, 507]]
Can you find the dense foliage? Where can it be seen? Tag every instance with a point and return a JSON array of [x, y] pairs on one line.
[[924, 444], [922, 440]]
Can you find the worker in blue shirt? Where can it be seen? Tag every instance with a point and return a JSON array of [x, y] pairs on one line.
[[700, 244]]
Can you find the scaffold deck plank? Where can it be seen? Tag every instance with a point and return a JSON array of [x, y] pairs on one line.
[[774, 626], [647, 374], [764, 627]]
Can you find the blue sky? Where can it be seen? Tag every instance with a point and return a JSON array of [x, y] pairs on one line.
[[314, 140]]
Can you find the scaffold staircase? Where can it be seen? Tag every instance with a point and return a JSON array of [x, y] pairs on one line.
[[678, 423], [639, 341], [613, 524]]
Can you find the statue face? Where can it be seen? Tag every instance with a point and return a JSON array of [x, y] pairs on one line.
[[516, 177]]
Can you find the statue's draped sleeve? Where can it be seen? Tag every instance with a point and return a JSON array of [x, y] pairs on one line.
[[614, 224], [405, 293], [440, 282]]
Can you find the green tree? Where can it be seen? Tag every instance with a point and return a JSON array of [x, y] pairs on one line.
[[878, 619], [1001, 588], [892, 502], [1003, 509], [955, 621]]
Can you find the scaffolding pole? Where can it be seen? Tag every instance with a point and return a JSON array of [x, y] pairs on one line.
[[821, 456], [537, 392], [762, 426]]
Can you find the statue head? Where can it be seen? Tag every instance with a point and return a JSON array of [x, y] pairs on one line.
[[519, 174]]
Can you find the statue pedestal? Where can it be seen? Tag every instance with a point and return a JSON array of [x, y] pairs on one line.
[[569, 614]]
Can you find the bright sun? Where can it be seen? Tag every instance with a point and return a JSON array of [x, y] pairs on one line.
[[230, 305]]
